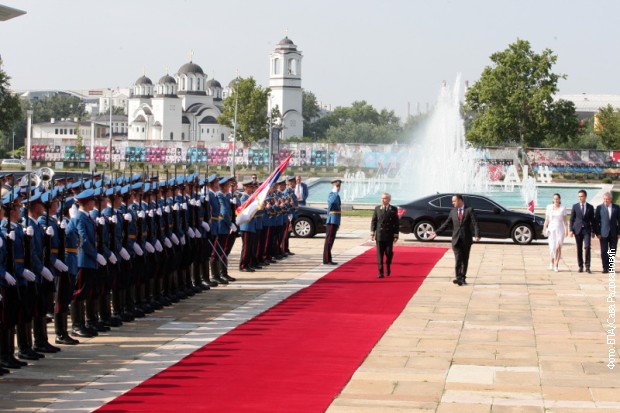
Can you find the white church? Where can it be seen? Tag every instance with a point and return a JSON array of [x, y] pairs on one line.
[[184, 107]]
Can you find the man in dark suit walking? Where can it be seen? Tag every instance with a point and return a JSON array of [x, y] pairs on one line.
[[581, 225], [301, 190], [384, 230], [463, 222], [607, 229]]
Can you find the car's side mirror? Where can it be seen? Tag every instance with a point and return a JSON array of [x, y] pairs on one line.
[[497, 210]]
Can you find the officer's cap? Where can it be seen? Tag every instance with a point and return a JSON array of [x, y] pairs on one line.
[[68, 203], [136, 177], [85, 195], [224, 180], [137, 187], [212, 178], [290, 178], [336, 180]]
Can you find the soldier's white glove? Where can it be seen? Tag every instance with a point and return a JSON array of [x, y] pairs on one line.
[[113, 219], [158, 246], [159, 211], [167, 209], [9, 279], [63, 224], [101, 221], [184, 206], [149, 247], [12, 235], [141, 214], [112, 258], [175, 207], [190, 232], [234, 201], [29, 275], [47, 274], [198, 202], [30, 231], [290, 217], [151, 213], [73, 211], [167, 242], [124, 254], [206, 226], [183, 240], [233, 227], [101, 259], [60, 266], [137, 249], [174, 239], [49, 231], [127, 217]]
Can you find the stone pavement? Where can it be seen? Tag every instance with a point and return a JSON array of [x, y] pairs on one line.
[[519, 338]]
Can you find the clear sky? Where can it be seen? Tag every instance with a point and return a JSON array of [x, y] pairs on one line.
[[389, 53]]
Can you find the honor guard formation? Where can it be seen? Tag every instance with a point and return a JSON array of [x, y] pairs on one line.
[[107, 250]]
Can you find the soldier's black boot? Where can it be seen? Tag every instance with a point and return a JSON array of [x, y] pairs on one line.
[[41, 344], [62, 335], [77, 320], [206, 265]]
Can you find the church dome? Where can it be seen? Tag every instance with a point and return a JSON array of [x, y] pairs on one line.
[[167, 79], [190, 68], [286, 44], [143, 80], [213, 83]]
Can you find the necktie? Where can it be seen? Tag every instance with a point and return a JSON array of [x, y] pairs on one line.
[[460, 214], [583, 210]]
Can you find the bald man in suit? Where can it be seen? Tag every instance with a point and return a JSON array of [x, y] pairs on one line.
[[384, 230]]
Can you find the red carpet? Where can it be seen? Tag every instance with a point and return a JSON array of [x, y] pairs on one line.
[[297, 356]]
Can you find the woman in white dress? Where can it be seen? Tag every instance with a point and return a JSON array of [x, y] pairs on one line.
[[556, 228]]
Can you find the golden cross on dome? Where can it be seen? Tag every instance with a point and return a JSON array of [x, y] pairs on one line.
[[191, 55], [286, 31]]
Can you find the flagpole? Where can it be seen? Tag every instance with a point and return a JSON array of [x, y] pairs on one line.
[[235, 126]]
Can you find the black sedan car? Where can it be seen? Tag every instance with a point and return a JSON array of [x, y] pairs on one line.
[[494, 221], [309, 222]]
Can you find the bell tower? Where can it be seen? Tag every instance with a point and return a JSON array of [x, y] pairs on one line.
[[285, 84]]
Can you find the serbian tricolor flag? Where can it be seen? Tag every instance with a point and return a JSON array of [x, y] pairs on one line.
[[256, 201], [530, 206]]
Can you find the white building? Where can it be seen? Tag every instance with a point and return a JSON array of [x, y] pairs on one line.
[[285, 84], [587, 105], [183, 108]]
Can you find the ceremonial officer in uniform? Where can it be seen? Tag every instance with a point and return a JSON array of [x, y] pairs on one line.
[[248, 232], [334, 209]]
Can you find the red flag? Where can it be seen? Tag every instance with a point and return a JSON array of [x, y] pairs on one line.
[[531, 206]]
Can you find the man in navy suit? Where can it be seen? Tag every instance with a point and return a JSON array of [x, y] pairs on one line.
[[464, 227], [607, 228], [301, 191], [581, 224]]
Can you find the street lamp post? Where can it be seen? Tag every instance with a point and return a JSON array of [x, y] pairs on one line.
[[29, 138]]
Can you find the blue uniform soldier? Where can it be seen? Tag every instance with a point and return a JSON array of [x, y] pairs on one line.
[[333, 221]]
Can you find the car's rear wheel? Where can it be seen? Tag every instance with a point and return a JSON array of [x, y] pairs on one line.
[[423, 229], [303, 228], [522, 234]]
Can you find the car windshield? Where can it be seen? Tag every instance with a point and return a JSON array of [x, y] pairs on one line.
[[480, 204]]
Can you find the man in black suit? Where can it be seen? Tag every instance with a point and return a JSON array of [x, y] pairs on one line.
[[463, 222], [384, 230], [581, 225], [607, 229]]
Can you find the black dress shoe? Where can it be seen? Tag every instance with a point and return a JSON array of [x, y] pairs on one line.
[[588, 271], [220, 280], [457, 281], [67, 340], [605, 271], [380, 276], [580, 269], [82, 332], [211, 283], [464, 282], [332, 263], [11, 363], [4, 371], [290, 253], [247, 269], [229, 278], [28, 355], [258, 267]]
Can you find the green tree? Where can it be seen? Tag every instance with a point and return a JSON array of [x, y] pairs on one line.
[[607, 127], [513, 100], [309, 107], [58, 107], [252, 118], [10, 110]]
